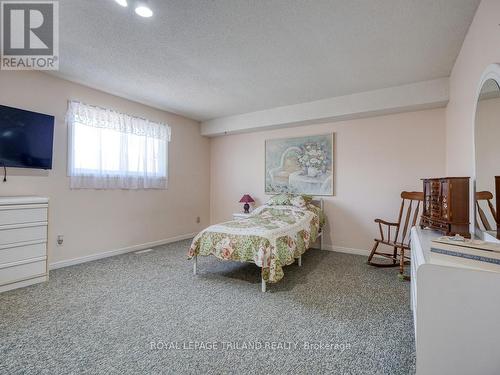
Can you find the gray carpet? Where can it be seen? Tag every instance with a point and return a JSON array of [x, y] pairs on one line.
[[333, 315]]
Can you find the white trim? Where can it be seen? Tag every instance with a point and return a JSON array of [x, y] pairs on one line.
[[24, 261], [124, 250], [13, 207], [347, 250], [21, 244], [23, 282], [24, 200], [24, 225], [491, 72]]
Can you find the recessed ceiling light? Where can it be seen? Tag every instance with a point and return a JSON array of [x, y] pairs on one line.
[[143, 10], [123, 3]]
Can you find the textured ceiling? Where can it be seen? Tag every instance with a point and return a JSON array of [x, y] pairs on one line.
[[212, 58]]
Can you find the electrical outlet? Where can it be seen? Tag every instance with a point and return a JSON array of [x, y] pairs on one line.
[[60, 240], [198, 220]]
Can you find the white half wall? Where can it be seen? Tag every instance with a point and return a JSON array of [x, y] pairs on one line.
[[415, 96]]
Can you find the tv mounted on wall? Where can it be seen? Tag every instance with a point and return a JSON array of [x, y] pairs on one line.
[[26, 138]]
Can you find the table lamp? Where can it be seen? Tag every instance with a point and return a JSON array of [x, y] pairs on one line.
[[246, 199]]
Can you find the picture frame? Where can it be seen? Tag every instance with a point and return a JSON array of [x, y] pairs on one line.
[[300, 165]]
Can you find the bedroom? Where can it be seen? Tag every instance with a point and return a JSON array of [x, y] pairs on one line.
[[390, 86]]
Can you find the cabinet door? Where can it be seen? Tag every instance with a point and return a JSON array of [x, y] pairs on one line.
[[427, 198], [497, 198], [436, 199], [445, 199]]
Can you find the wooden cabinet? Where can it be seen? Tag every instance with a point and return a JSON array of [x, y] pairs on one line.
[[497, 198], [446, 205]]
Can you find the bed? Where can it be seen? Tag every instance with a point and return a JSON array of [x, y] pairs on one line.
[[272, 237]]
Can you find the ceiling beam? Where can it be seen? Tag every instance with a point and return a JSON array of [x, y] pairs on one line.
[[415, 96]]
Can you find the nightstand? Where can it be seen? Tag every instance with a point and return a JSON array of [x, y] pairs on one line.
[[240, 215]]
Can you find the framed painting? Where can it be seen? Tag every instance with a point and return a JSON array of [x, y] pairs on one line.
[[302, 165]]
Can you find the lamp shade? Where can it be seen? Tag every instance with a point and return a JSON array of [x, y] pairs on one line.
[[246, 199]]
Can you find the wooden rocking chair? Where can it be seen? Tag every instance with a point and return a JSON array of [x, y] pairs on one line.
[[485, 196], [401, 234]]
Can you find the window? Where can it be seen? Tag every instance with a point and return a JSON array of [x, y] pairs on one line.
[[111, 150]]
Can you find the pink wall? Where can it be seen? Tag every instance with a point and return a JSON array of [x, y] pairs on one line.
[[95, 221], [375, 159], [480, 49]]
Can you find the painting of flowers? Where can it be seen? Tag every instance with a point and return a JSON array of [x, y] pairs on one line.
[[301, 165]]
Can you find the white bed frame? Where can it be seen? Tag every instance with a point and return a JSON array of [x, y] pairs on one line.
[[316, 202]]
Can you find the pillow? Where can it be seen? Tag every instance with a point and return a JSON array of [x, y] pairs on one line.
[[298, 201], [307, 198], [279, 200]]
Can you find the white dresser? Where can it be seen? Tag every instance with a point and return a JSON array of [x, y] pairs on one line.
[[23, 241], [456, 310]]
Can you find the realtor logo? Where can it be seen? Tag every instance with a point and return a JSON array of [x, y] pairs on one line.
[[29, 35]]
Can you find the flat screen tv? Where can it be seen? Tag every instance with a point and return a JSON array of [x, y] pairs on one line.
[[26, 138]]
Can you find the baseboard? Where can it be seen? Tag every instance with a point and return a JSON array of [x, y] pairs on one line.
[[348, 250], [110, 253]]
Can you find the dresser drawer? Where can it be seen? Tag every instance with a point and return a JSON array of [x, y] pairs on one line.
[[23, 252], [22, 272], [22, 214], [10, 234]]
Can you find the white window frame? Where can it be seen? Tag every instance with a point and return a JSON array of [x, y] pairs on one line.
[[154, 139]]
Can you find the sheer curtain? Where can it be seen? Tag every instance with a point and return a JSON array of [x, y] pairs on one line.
[[112, 150]]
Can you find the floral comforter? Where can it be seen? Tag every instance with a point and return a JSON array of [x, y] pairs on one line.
[[272, 237]]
